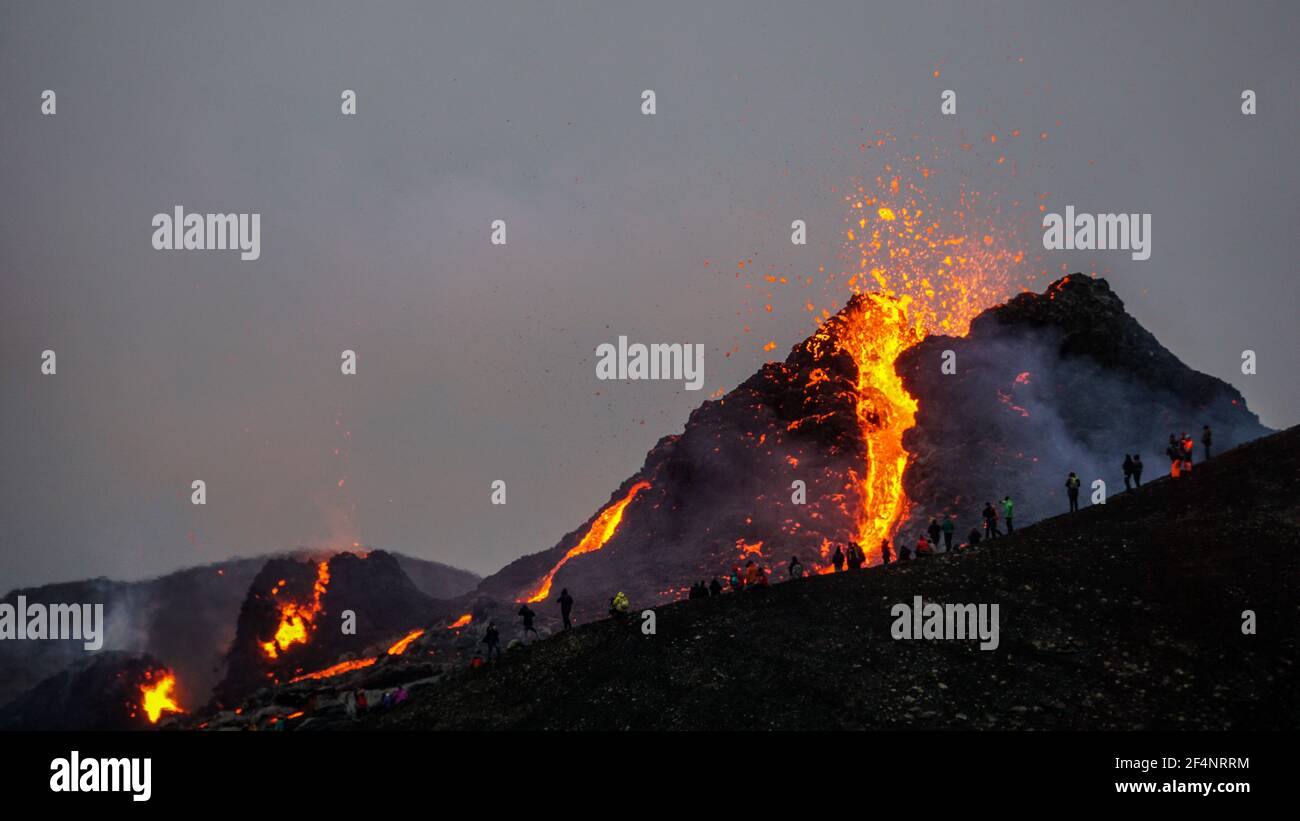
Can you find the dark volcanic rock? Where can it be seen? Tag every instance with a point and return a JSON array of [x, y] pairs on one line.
[[1095, 386], [1123, 616], [385, 601], [99, 693]]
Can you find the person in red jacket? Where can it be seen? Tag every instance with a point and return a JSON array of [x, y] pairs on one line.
[[923, 548]]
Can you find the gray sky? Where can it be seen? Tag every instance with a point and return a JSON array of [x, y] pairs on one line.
[[476, 363]]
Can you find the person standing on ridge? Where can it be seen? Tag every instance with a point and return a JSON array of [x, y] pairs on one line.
[[566, 607], [492, 639], [948, 527], [935, 531], [715, 587], [1206, 439], [1008, 511], [838, 559], [527, 614], [1072, 490], [1128, 471], [796, 569], [1137, 469], [990, 521], [1174, 452], [1188, 447], [884, 551]]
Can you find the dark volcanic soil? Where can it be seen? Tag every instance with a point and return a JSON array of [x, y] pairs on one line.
[[1122, 616]]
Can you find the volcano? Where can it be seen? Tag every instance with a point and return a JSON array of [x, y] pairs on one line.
[[863, 434]]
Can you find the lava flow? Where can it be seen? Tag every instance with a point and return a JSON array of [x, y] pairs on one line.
[[297, 620], [601, 531], [934, 269], [158, 698]]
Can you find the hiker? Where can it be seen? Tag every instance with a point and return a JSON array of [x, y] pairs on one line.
[[935, 531], [1008, 511], [362, 703], [1188, 447], [1128, 471], [796, 569], [990, 521], [619, 604], [752, 572], [1175, 456], [923, 548], [492, 639], [715, 587], [1205, 440], [855, 557], [695, 591], [399, 695], [762, 576], [566, 607], [973, 537], [1137, 469], [1072, 490], [528, 615], [948, 527], [735, 579], [884, 551], [838, 559], [904, 552]]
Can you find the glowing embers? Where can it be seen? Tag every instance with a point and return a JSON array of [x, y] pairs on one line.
[[297, 620], [600, 532]]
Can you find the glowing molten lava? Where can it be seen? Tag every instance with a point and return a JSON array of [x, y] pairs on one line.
[[460, 622], [400, 648], [601, 531], [336, 669], [158, 698], [297, 620]]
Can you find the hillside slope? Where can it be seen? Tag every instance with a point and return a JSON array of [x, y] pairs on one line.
[[1123, 616]]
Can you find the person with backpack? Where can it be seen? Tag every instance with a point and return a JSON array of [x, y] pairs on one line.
[[948, 527], [1188, 447], [1008, 512], [735, 579], [856, 558], [618, 605], [1072, 490], [527, 614], [566, 607], [796, 569]]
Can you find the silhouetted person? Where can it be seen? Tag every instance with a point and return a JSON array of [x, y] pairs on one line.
[[856, 558], [1137, 469], [990, 521], [884, 551], [1206, 439], [492, 639], [1188, 447], [973, 537], [935, 531], [528, 615], [715, 587], [1072, 490], [1174, 452], [1009, 513], [838, 559], [1128, 471], [566, 607], [795, 568], [923, 548], [904, 552], [948, 527]]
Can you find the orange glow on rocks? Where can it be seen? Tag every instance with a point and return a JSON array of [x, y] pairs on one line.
[[297, 620], [159, 697]]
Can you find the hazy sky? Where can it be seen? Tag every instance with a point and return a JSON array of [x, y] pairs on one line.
[[476, 362]]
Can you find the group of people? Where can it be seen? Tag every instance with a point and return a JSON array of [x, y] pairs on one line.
[[700, 590], [1181, 448], [850, 556]]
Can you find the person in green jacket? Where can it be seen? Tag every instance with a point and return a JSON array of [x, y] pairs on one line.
[[948, 527], [1008, 509]]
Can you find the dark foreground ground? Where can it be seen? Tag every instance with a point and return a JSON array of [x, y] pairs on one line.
[[1122, 616]]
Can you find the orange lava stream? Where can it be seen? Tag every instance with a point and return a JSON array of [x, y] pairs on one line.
[[400, 647], [296, 620], [461, 622], [601, 531], [336, 669]]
